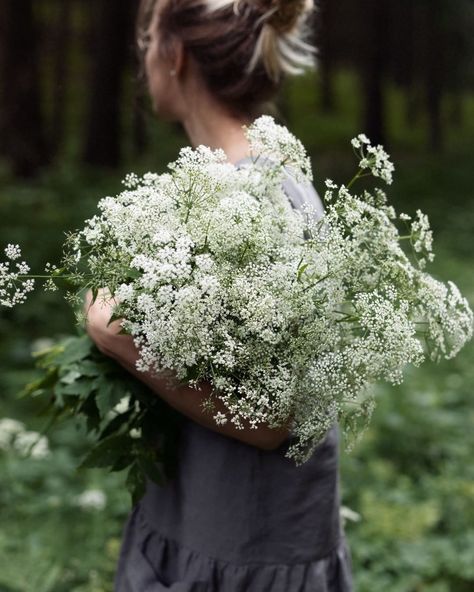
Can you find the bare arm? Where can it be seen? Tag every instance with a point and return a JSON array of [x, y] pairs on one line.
[[184, 399]]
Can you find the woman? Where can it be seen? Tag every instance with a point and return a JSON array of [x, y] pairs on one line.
[[239, 516]]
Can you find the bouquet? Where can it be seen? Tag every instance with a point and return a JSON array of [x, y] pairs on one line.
[[290, 317]]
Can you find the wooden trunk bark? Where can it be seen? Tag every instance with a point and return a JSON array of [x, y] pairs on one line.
[[22, 127], [109, 50]]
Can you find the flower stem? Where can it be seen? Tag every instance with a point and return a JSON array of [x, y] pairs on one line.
[[354, 179]]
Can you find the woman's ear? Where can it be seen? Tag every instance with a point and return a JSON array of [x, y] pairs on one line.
[[178, 58]]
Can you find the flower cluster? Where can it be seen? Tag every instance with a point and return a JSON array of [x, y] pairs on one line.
[[373, 158], [91, 499], [14, 287], [219, 279], [14, 436], [274, 141]]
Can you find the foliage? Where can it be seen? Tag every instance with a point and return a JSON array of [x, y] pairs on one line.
[[131, 428], [49, 540], [411, 480]]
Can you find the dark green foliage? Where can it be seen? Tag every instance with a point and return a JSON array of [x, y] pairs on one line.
[[79, 381]]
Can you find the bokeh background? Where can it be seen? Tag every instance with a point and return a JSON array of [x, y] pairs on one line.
[[74, 118]]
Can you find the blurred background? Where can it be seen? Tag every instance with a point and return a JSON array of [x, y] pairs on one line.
[[74, 118]]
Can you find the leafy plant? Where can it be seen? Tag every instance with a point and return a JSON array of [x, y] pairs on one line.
[[133, 429]]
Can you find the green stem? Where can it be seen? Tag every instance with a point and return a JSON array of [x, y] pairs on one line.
[[354, 179], [45, 277]]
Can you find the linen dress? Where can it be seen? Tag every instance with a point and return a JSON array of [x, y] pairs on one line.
[[237, 518]]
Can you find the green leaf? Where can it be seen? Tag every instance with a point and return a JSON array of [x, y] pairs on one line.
[[89, 409], [108, 452], [115, 425], [40, 385], [75, 349], [80, 388], [122, 463], [151, 469], [136, 482], [104, 398], [53, 350], [89, 367], [301, 270], [133, 273], [70, 377]]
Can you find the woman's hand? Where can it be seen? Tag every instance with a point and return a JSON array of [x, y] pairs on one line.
[[183, 398], [105, 334]]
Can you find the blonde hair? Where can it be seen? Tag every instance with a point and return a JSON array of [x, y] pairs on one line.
[[282, 45]]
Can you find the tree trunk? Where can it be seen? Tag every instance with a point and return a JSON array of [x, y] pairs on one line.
[[61, 47], [324, 40], [457, 114], [109, 52], [22, 127], [434, 76], [140, 135], [140, 138], [413, 106], [374, 68]]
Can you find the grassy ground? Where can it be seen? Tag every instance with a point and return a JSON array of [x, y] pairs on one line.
[[410, 480]]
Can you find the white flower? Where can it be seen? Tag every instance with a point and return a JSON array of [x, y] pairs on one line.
[[9, 428], [13, 252], [348, 514], [221, 279], [360, 140], [13, 285], [162, 236], [33, 444], [220, 418], [423, 236], [274, 141], [122, 406], [91, 499], [374, 158], [41, 344], [125, 292], [135, 434]]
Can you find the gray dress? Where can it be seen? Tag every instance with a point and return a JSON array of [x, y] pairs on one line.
[[240, 519]]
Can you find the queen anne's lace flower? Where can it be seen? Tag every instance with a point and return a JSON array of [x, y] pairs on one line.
[[286, 315], [91, 499], [15, 437], [274, 141], [374, 158], [14, 287]]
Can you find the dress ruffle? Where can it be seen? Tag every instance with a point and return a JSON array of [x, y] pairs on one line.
[[150, 562]]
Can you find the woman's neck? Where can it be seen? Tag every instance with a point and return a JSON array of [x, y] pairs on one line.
[[209, 125]]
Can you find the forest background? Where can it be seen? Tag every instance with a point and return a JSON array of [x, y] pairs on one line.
[[74, 118]]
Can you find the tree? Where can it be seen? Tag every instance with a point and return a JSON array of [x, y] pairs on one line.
[[109, 51], [374, 53], [325, 25], [62, 34], [21, 125]]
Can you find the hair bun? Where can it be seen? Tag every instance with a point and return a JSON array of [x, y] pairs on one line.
[[284, 14]]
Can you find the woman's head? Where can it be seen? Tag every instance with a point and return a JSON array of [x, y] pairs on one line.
[[240, 49]]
